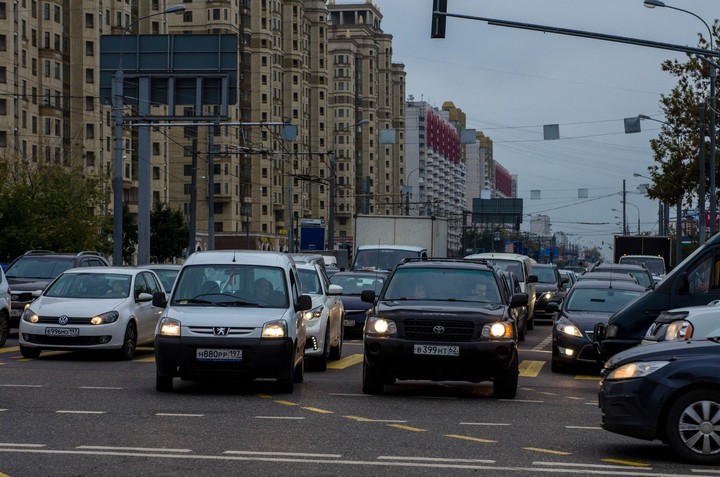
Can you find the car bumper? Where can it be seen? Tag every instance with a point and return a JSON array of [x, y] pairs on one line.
[[573, 349], [625, 408], [261, 358], [476, 362], [315, 344], [109, 336]]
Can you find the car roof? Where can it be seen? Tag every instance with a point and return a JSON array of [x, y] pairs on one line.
[[106, 270], [392, 247], [501, 256], [161, 266], [606, 276], [544, 265], [240, 257], [362, 273], [444, 263], [603, 284], [621, 266]]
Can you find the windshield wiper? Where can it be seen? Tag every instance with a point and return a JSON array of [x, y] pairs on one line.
[[240, 303]]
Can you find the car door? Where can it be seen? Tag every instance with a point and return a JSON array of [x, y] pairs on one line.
[[335, 307], [147, 315]]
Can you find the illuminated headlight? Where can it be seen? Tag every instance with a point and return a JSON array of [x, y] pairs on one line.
[[635, 370], [30, 316], [275, 329], [314, 313], [548, 295], [498, 330], [568, 329], [380, 326], [679, 330], [105, 318], [169, 327]]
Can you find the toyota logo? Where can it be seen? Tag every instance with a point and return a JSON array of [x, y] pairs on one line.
[[221, 331], [439, 329], [63, 320]]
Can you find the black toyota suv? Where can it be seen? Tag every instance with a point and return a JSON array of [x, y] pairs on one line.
[[35, 269], [442, 320]]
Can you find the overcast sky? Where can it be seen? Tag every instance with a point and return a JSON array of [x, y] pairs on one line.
[[511, 82]]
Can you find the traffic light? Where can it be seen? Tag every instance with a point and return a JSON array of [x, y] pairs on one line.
[[438, 21]]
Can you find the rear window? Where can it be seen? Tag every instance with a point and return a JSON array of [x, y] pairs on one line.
[[599, 300], [39, 267]]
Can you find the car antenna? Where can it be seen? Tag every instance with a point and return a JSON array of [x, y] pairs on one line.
[[233, 260]]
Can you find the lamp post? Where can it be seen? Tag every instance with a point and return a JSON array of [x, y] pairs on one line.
[[117, 114], [408, 190], [625, 226], [333, 158], [713, 105]]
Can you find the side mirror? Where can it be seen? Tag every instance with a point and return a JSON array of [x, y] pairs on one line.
[[518, 300], [532, 279], [552, 307], [159, 299], [144, 297], [304, 303], [335, 290], [368, 296]]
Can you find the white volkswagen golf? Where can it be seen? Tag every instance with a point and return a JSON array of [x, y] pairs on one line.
[[106, 308]]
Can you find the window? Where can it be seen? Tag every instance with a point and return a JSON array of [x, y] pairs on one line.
[[156, 173], [89, 20], [3, 10], [3, 43], [3, 74], [89, 131], [187, 17], [156, 148], [89, 48], [3, 138], [3, 107], [89, 103], [89, 75]]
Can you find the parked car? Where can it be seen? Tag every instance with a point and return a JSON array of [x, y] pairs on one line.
[[519, 313], [642, 274], [223, 320], [97, 308], [353, 283], [682, 324], [166, 272], [33, 270], [669, 391], [442, 320], [325, 321], [550, 288], [5, 305], [587, 303]]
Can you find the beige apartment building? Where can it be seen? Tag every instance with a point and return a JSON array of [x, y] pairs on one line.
[[320, 67]]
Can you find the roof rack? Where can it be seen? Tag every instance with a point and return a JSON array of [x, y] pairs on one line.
[[38, 252], [455, 260]]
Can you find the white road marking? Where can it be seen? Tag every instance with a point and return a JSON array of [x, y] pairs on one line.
[[100, 387], [139, 449], [434, 459], [592, 466], [348, 394], [170, 414], [79, 412], [280, 417], [543, 343], [21, 385], [584, 427], [12, 444], [484, 424], [522, 400], [286, 454]]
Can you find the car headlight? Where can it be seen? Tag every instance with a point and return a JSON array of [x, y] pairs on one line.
[[638, 369], [30, 316], [105, 318], [548, 295], [169, 327], [380, 326], [275, 329], [314, 313], [568, 329], [679, 330], [498, 330]]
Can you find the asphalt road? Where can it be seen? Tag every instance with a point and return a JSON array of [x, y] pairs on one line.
[[82, 414]]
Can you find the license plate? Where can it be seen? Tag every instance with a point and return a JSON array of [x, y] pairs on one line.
[[349, 322], [67, 332], [434, 350], [218, 354], [14, 313]]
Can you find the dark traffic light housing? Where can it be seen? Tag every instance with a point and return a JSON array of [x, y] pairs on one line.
[[438, 21]]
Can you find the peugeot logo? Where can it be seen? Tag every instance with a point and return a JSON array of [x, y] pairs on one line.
[[221, 331], [63, 320], [439, 329]]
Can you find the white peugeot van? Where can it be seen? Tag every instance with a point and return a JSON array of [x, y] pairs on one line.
[[236, 314], [522, 267]]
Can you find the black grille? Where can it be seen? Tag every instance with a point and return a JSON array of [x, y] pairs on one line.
[[72, 320], [66, 340], [427, 330]]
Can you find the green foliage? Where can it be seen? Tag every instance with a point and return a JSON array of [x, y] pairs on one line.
[[129, 235], [169, 233]]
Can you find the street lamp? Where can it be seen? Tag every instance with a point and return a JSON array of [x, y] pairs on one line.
[[713, 105], [117, 114], [625, 221], [662, 229], [408, 190], [333, 154]]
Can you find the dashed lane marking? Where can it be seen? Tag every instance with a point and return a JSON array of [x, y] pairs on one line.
[[289, 418], [318, 410], [530, 369], [584, 427], [468, 438], [173, 414], [367, 419], [21, 385], [284, 454], [547, 451], [10, 349], [542, 344], [148, 359], [286, 403], [591, 466], [435, 459], [407, 428], [109, 388], [141, 449], [588, 378], [627, 462], [61, 411], [351, 360]]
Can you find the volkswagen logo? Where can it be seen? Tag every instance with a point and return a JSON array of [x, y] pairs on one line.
[[221, 331], [63, 320], [439, 329]]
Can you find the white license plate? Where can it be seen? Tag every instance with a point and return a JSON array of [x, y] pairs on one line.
[[68, 332], [202, 354], [434, 350], [349, 322]]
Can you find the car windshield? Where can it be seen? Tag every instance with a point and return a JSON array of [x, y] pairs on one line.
[[310, 281], [381, 259], [231, 285], [604, 300], [167, 277], [355, 284], [510, 266], [44, 268], [90, 285], [443, 284], [655, 265], [545, 274]]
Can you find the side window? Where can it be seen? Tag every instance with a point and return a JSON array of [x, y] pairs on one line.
[[704, 278], [140, 285], [151, 283], [84, 263]]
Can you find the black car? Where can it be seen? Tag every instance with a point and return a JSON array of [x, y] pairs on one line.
[[35, 269], [353, 283], [587, 303], [442, 320], [520, 313], [642, 274], [550, 288], [668, 391]]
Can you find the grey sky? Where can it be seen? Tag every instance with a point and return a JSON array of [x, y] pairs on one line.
[[511, 82]]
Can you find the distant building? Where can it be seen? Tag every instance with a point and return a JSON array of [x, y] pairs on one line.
[[540, 226]]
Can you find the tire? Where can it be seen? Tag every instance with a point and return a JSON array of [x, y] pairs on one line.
[[505, 386], [691, 427], [30, 353], [163, 384], [556, 367], [336, 351], [127, 351], [300, 372], [373, 382], [286, 384], [4, 328]]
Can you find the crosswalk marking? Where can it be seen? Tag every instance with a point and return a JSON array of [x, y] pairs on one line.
[[346, 362], [530, 369]]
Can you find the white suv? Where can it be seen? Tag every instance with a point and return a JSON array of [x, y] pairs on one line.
[[682, 324], [233, 314], [4, 308]]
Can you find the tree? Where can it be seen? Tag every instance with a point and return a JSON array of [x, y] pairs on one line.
[[169, 234]]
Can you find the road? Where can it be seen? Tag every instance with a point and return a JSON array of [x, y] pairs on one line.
[[80, 414]]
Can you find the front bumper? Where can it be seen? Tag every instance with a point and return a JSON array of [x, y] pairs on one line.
[[315, 344], [573, 350], [108, 336], [626, 410]]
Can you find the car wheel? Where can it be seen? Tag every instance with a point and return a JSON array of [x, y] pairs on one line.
[[692, 427], [286, 384], [127, 351], [531, 323], [163, 384], [556, 367], [522, 331], [505, 386], [372, 382], [30, 353], [300, 371], [4, 327], [336, 351]]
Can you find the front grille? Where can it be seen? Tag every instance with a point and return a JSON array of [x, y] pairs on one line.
[[66, 341], [427, 330], [72, 320], [209, 331]]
